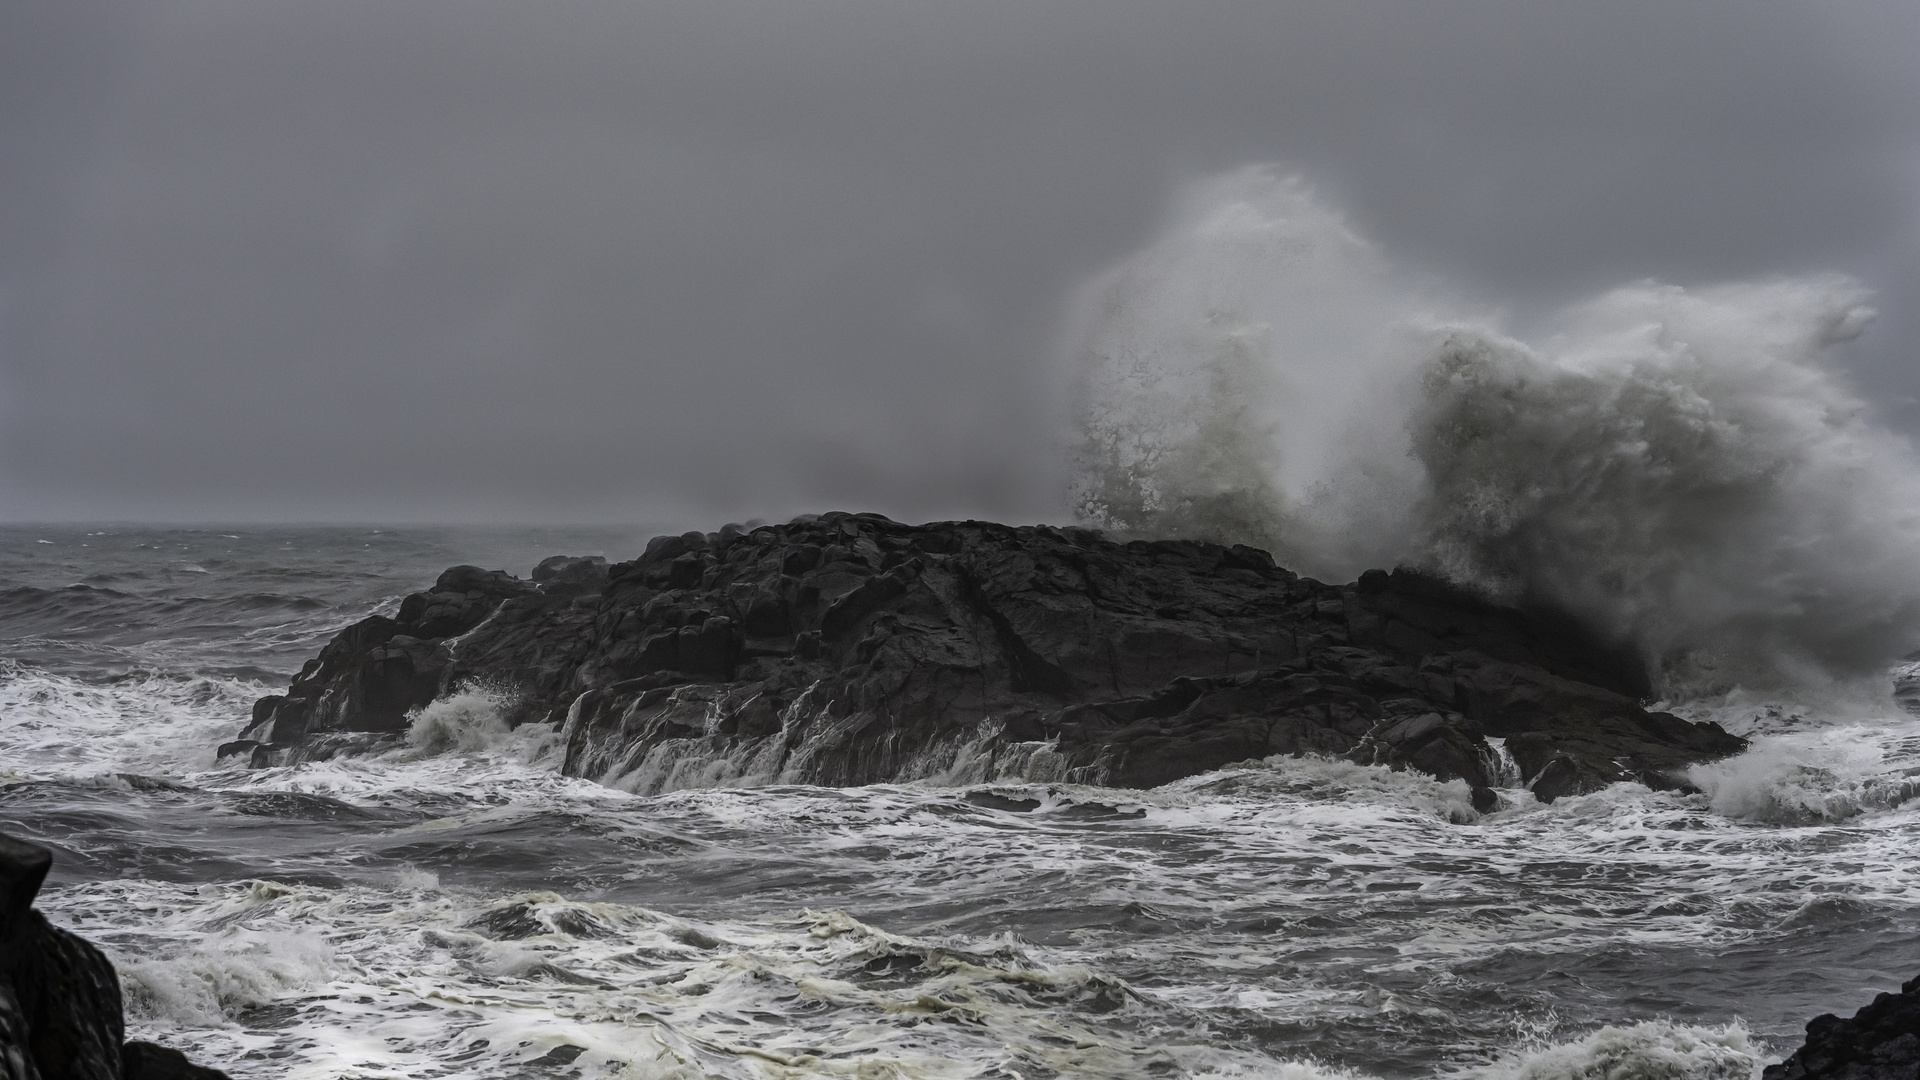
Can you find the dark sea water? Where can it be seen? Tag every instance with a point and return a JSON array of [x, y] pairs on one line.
[[459, 909]]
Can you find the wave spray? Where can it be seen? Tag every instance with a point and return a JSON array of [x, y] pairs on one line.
[[1678, 467]]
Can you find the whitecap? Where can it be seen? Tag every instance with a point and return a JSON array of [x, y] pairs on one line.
[[1653, 1050]]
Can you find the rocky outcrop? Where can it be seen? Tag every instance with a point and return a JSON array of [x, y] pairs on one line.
[[60, 1008], [849, 649], [1880, 1042]]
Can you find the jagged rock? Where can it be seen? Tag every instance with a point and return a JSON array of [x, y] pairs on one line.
[[69, 998], [23, 868], [849, 649], [147, 1061], [1880, 1042], [60, 1010], [60, 1007], [573, 573]]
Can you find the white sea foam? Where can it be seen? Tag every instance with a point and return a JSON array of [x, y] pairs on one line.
[[1313, 784], [1822, 774], [1653, 1050], [403, 973], [216, 978], [57, 726], [1679, 467], [468, 719], [432, 984], [1224, 1066]]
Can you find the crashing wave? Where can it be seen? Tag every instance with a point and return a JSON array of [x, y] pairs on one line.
[[1653, 1050], [1678, 467]]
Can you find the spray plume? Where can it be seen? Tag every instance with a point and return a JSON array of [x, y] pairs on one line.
[[1678, 467]]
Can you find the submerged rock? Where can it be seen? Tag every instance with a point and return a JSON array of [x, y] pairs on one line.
[[60, 1007], [1880, 1042], [850, 649]]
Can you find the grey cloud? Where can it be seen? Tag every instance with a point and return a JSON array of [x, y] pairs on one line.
[[644, 260]]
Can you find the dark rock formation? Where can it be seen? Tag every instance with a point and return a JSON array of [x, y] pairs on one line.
[[147, 1061], [849, 649], [1881, 1042], [60, 1009]]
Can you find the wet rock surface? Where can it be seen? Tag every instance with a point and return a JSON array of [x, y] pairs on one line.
[[149, 1061], [850, 649], [1880, 1042], [60, 1006]]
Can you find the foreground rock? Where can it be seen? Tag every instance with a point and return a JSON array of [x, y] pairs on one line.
[[850, 649], [1881, 1042], [60, 1008]]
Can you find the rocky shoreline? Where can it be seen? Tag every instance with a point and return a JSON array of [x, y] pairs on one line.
[[849, 649], [60, 1009]]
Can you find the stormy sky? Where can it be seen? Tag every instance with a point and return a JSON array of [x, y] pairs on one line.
[[646, 261]]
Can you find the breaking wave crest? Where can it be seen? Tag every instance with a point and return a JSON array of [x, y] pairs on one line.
[[1652, 1050], [467, 720], [141, 721], [1820, 775], [220, 980], [1678, 467]]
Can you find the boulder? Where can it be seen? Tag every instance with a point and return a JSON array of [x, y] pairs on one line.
[[849, 649], [571, 573]]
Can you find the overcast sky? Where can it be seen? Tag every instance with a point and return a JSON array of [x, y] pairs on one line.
[[647, 261]]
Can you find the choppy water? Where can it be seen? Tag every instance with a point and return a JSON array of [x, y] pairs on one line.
[[459, 909]]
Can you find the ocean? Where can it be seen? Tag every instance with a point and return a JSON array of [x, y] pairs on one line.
[[458, 908]]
